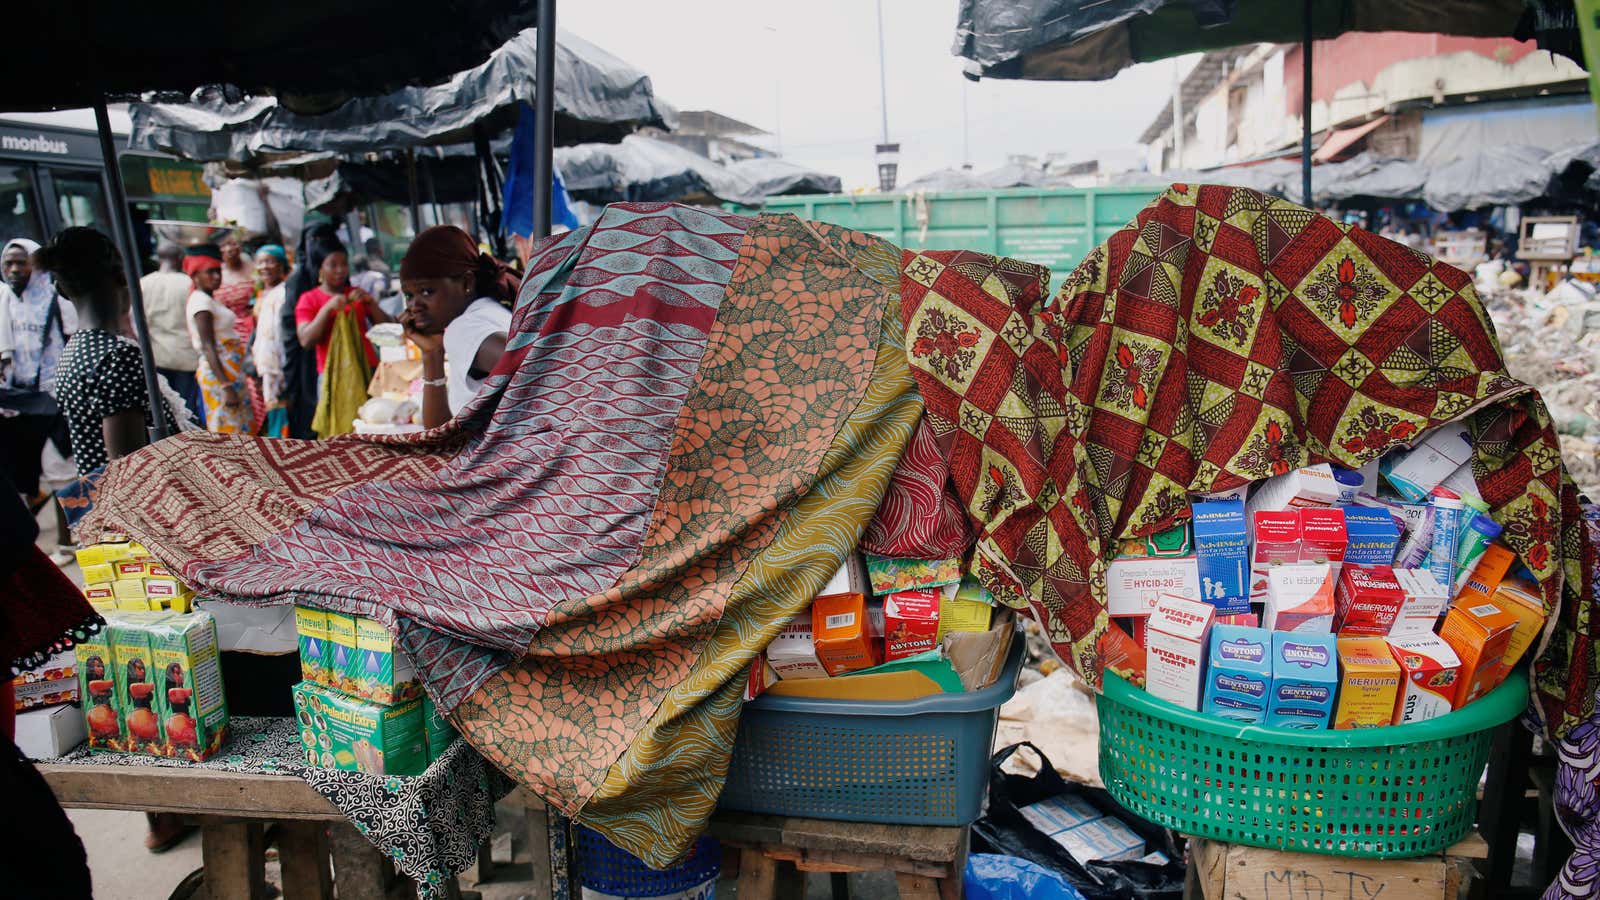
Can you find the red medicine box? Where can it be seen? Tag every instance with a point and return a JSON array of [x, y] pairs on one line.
[[910, 623], [1369, 598], [1276, 543], [1322, 536]]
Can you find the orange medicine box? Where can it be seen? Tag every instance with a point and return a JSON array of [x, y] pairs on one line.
[[843, 634], [1369, 678], [1522, 600], [1479, 634], [1487, 574]]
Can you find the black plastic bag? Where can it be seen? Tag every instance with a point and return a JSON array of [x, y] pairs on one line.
[[1004, 830]]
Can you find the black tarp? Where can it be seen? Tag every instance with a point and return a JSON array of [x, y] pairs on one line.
[[598, 97], [66, 53], [643, 169], [774, 177]]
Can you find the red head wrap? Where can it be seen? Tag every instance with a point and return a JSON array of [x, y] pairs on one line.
[[198, 263], [445, 251]]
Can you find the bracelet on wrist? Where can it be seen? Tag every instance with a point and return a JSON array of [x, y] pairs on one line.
[[435, 382]]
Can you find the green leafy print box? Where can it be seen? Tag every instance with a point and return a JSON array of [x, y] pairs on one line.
[[440, 732], [376, 672], [360, 736]]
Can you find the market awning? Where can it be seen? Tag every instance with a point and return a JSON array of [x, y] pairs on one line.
[[1341, 139], [641, 169]]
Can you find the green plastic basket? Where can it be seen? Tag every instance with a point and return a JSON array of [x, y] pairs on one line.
[[1405, 790]]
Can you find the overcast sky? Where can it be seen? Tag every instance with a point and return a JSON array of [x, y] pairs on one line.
[[809, 73]]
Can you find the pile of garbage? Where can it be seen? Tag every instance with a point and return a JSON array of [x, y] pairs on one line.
[[1552, 341]]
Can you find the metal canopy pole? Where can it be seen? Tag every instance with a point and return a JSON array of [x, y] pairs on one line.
[[130, 268], [544, 117], [1305, 109], [411, 190]]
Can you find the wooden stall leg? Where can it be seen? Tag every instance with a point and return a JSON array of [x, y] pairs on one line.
[[235, 859], [482, 868], [303, 857], [360, 870], [1500, 813], [758, 875], [916, 887]]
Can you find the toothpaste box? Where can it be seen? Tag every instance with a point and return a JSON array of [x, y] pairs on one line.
[[1368, 599], [1305, 674], [1322, 537], [1521, 599], [1414, 473], [100, 596], [1299, 598], [1175, 650], [1372, 536], [105, 553], [1310, 486], [1238, 677], [99, 573], [1479, 634], [1134, 584], [1369, 678], [1276, 542], [910, 622], [1053, 815], [1222, 556], [793, 654], [378, 672], [1425, 601], [1429, 672], [311, 634], [843, 634], [1487, 574]]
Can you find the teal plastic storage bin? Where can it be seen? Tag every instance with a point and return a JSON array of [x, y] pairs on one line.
[[913, 762]]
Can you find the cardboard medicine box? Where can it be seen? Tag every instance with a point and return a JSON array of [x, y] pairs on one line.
[[1305, 674], [1175, 650], [189, 693], [963, 607], [1135, 584], [1369, 599], [1238, 677], [843, 634], [50, 683], [1310, 486], [1299, 598], [1485, 577], [793, 653], [1372, 537], [1521, 599], [135, 672], [341, 651], [311, 635], [1414, 473], [99, 573], [1429, 672], [1275, 542], [1479, 634], [1424, 603], [105, 553], [1369, 679], [98, 690], [1056, 814], [1222, 555], [1323, 537], [358, 735], [910, 623], [379, 672]]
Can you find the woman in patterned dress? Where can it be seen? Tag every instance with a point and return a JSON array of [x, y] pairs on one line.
[[212, 330]]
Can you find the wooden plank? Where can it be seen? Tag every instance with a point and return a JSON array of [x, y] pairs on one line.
[[234, 856], [758, 876], [303, 857], [835, 861], [537, 825], [197, 792], [916, 887], [919, 842], [360, 870], [1254, 873], [1473, 846], [1209, 860]]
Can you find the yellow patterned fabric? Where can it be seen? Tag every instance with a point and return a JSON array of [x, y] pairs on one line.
[[344, 380]]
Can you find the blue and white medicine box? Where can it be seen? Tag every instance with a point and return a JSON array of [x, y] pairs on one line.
[[1372, 536], [1239, 678], [1305, 677], [1222, 554]]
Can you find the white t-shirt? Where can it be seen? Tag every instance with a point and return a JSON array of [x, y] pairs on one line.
[[222, 319], [482, 318]]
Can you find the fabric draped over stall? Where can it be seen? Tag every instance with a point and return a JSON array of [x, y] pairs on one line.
[[700, 414]]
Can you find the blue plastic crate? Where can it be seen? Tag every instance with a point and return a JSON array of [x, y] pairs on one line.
[[914, 762], [605, 868]]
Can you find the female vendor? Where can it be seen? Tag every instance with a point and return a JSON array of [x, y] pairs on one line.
[[458, 313]]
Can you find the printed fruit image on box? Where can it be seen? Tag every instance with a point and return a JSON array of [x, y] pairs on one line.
[[134, 671], [97, 685], [190, 698], [889, 574], [1429, 672], [377, 672]]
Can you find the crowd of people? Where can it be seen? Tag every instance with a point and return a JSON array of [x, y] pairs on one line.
[[244, 343]]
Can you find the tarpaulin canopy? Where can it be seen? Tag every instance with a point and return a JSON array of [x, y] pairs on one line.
[[644, 169], [1014, 174], [1090, 40], [1274, 176], [1370, 175], [773, 177], [1489, 176], [598, 97], [944, 180], [311, 50]]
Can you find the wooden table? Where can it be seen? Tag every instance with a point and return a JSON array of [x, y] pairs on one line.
[[927, 861], [1219, 870], [233, 810]]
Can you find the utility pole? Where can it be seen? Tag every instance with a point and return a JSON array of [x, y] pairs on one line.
[[887, 154], [1177, 117]]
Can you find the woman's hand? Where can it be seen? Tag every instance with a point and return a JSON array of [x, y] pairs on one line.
[[231, 395], [427, 343]]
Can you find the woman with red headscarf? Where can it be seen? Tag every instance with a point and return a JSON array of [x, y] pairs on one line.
[[458, 313], [212, 331]]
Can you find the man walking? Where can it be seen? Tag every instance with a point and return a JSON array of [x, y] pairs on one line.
[[166, 297]]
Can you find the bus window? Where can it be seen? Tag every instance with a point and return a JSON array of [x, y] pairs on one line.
[[80, 200], [19, 205]]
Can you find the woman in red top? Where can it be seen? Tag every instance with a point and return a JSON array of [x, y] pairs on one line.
[[316, 310]]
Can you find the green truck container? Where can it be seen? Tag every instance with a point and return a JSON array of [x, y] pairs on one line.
[[1053, 227]]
